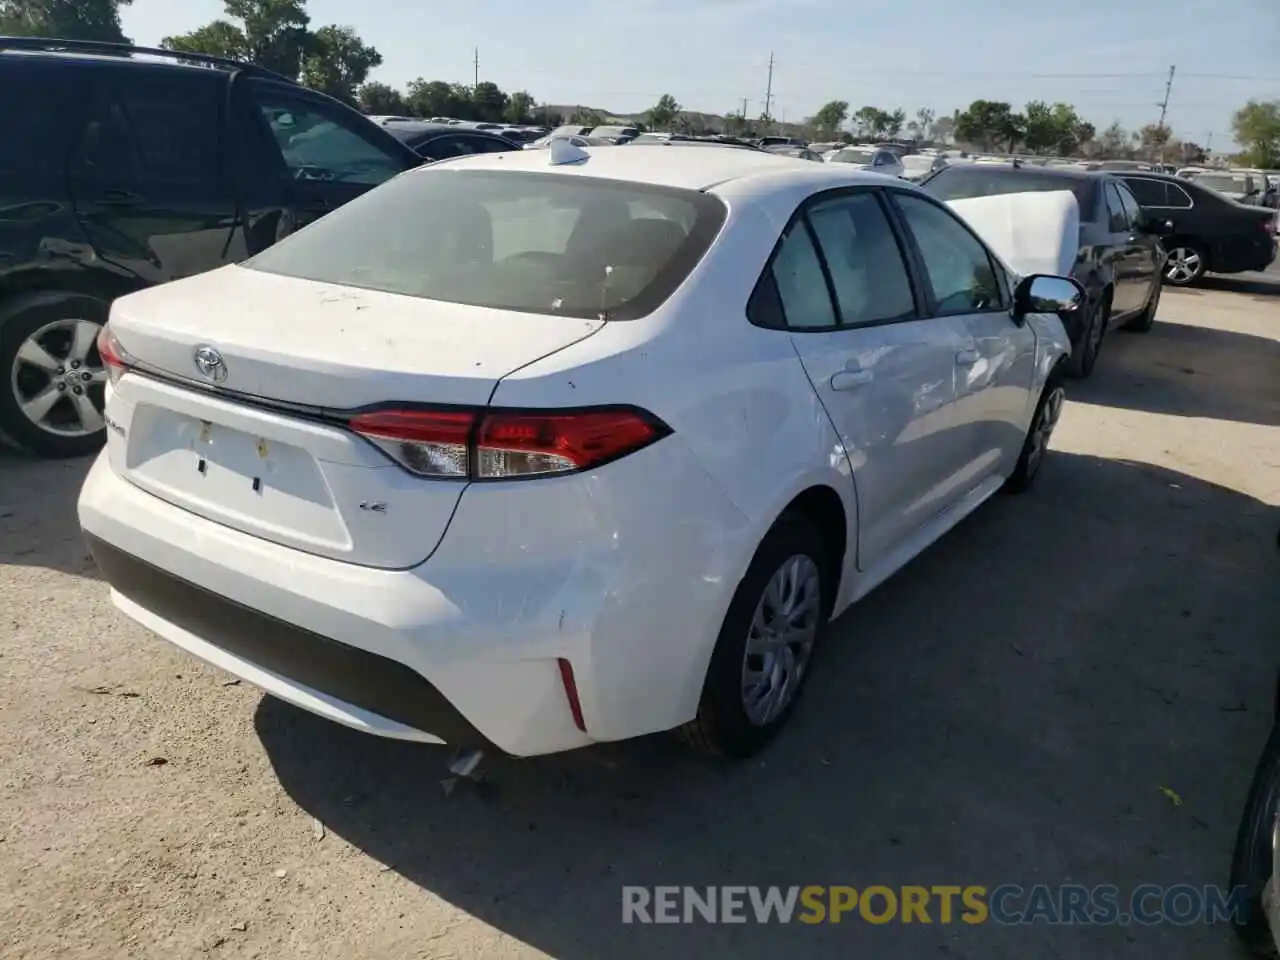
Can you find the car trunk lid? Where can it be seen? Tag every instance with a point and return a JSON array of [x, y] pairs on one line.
[[252, 435]]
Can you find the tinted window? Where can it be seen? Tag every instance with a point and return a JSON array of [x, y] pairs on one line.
[[1177, 196], [802, 289], [152, 127], [864, 260], [1149, 193], [1132, 211], [1117, 220], [956, 263], [320, 141], [534, 242], [962, 181], [36, 129]]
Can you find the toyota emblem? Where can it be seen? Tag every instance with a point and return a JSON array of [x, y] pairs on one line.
[[210, 363]]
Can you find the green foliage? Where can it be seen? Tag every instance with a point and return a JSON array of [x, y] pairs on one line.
[[663, 113], [337, 62], [1256, 126], [520, 107], [991, 124], [378, 98], [66, 19], [830, 118]]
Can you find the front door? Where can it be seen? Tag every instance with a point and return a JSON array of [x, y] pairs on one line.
[[147, 174], [994, 375], [1144, 246], [884, 372], [1123, 248]]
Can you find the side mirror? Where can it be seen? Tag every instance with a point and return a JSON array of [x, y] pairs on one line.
[[1043, 293]]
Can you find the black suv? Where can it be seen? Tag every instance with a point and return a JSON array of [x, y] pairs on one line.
[[1210, 231], [1120, 259], [124, 167]]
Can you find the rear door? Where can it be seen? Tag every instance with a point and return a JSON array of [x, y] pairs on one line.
[[302, 155], [885, 372], [147, 171], [995, 369]]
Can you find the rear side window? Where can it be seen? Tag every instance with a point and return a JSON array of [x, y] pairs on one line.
[[36, 124], [152, 126], [1117, 220], [533, 242], [1149, 193], [864, 260]]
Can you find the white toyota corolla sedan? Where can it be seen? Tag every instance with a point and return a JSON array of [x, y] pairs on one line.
[[538, 449]]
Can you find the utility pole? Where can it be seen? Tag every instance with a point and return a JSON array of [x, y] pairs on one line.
[[1164, 107], [1164, 104], [744, 108], [476, 62], [768, 90]]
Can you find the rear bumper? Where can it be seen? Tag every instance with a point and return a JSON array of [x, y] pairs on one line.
[[464, 648], [287, 658]]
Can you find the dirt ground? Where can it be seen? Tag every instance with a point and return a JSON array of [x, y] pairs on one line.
[[1006, 710]]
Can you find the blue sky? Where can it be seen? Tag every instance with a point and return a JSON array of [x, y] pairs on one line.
[[1110, 61]]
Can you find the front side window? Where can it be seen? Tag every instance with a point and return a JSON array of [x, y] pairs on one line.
[[317, 142], [1132, 211], [957, 265], [1117, 220], [533, 242]]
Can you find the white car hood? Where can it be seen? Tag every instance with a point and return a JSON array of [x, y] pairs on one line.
[[1032, 232]]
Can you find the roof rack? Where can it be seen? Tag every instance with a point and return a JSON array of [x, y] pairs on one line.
[[56, 45]]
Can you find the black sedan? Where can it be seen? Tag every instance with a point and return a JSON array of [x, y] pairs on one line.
[[1120, 260], [439, 141], [1210, 232]]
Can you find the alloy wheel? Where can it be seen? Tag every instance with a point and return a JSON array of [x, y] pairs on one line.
[[780, 639], [58, 378], [1184, 265], [1042, 429]]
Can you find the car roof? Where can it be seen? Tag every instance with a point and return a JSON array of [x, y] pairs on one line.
[[90, 52], [670, 166]]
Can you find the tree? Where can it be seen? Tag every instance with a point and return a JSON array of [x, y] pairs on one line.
[[921, 128], [1042, 129], [1113, 142], [271, 33], [1256, 126], [489, 102], [891, 123], [869, 121], [433, 98], [990, 123], [663, 113], [337, 61], [1153, 138], [520, 107], [830, 117], [378, 98], [944, 129], [736, 124], [66, 19]]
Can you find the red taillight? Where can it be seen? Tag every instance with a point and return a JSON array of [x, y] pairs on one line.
[[506, 444], [114, 357]]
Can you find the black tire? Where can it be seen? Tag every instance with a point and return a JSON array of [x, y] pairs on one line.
[[1029, 462], [722, 725], [1251, 861], [1084, 356], [17, 323], [1177, 277], [1144, 321]]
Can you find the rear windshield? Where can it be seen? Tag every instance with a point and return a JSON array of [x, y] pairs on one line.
[[534, 242], [1224, 183], [854, 156], [961, 182]]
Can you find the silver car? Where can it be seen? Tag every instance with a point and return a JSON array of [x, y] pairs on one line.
[[868, 158]]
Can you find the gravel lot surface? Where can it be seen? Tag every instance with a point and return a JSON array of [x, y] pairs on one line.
[[1005, 710]]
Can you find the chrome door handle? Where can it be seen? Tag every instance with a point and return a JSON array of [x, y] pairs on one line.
[[966, 358], [849, 379]]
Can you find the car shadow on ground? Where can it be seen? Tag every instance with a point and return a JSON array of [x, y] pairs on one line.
[[38, 522], [1188, 371], [1008, 709], [1254, 284]]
